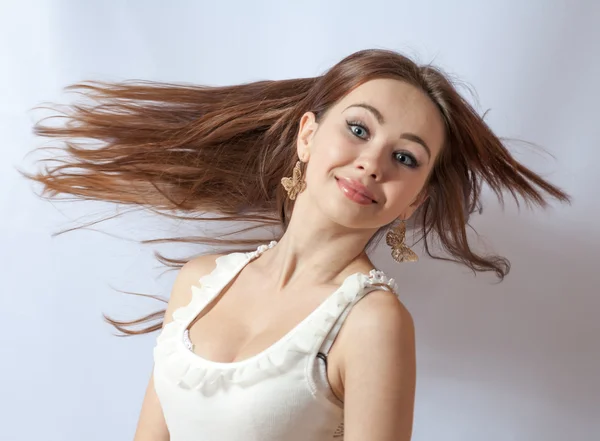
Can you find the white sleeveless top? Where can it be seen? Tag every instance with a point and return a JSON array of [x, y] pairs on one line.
[[276, 395]]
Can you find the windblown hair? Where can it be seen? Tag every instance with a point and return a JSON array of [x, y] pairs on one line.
[[183, 150]]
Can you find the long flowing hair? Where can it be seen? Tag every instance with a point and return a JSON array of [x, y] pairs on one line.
[[187, 150]]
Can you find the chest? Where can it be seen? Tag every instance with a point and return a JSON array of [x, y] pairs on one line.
[[246, 319]]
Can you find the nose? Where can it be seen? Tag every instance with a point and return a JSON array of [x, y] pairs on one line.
[[370, 163]]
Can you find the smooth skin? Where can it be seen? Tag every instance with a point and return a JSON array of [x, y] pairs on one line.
[[387, 135]]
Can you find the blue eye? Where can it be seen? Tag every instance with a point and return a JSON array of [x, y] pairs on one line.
[[358, 129], [406, 159]]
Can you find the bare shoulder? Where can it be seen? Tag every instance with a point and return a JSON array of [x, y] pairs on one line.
[[378, 368], [379, 321], [188, 276]]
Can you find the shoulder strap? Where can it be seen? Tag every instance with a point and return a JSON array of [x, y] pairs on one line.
[[227, 267], [337, 325]]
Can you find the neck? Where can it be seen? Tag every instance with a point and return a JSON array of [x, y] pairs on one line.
[[319, 250]]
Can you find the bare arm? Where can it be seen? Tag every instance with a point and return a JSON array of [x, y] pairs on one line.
[[151, 424], [379, 370]]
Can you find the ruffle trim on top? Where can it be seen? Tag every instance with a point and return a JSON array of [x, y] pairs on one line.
[[190, 371], [377, 277]]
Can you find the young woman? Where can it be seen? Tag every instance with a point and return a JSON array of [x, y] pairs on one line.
[[299, 338]]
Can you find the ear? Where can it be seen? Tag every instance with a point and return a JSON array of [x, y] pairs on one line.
[[421, 197], [306, 132]]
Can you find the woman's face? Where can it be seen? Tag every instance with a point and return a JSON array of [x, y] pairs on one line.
[[371, 154]]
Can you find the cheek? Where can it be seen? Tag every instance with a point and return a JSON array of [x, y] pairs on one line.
[[402, 194], [340, 152], [342, 148], [330, 151]]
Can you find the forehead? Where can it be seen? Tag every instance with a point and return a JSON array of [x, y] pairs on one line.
[[403, 106]]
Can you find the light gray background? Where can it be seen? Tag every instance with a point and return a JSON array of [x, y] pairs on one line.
[[512, 361]]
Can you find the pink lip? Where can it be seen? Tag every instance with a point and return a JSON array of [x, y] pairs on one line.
[[364, 196]]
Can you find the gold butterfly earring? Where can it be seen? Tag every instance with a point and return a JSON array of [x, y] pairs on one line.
[[395, 238], [294, 185]]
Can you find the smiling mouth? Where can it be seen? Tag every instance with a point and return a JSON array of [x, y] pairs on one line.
[[353, 194]]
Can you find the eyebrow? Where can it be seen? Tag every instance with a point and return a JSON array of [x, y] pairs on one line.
[[381, 120]]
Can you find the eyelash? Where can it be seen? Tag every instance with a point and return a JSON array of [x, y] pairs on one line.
[[360, 124]]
